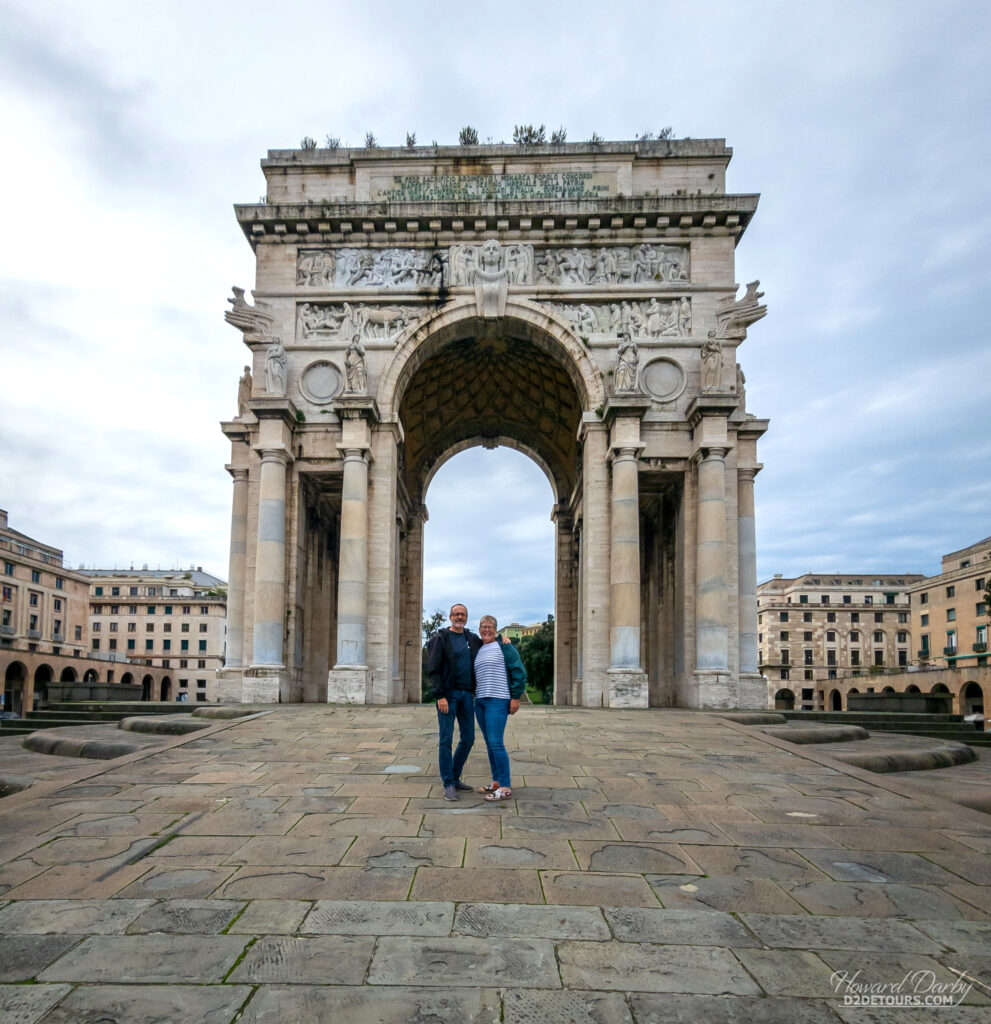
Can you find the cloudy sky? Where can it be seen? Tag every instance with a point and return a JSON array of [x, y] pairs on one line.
[[130, 129]]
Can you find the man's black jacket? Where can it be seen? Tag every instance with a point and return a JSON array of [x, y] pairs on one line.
[[440, 662]]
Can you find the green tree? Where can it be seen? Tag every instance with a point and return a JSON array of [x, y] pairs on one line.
[[468, 136], [431, 626], [537, 652]]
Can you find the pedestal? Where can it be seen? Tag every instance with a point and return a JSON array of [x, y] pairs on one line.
[[626, 688], [265, 684], [348, 684]]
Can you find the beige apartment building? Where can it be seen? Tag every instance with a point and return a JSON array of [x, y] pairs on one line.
[[950, 612], [169, 619], [818, 627]]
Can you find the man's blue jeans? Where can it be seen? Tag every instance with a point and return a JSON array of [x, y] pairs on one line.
[[492, 714], [460, 706]]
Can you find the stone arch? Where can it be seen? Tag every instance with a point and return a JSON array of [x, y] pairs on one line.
[[43, 675], [460, 318], [501, 442], [166, 689], [91, 676], [68, 675], [888, 689], [971, 699], [835, 701], [784, 700], [126, 679], [912, 688], [146, 687], [939, 688], [14, 679]]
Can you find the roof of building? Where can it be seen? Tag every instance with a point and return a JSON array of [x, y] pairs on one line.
[[196, 576]]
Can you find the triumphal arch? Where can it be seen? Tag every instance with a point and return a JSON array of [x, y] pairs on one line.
[[575, 302]]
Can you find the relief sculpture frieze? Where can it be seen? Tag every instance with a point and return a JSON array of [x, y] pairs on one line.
[[615, 264], [340, 322], [653, 318], [400, 269], [517, 260]]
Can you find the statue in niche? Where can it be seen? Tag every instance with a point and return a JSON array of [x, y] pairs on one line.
[[354, 366], [712, 363], [741, 387], [626, 363], [276, 361], [684, 317], [491, 281], [244, 391]]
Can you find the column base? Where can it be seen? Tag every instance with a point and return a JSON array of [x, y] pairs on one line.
[[716, 689], [752, 692], [348, 684], [230, 685], [265, 684], [626, 688]]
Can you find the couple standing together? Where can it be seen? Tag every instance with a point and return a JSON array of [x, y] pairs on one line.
[[474, 677]]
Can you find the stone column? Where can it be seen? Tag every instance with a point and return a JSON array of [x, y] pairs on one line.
[[753, 693], [349, 676], [267, 673], [627, 680], [595, 565], [564, 602], [235, 575], [712, 632]]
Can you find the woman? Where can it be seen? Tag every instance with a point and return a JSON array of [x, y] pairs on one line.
[[500, 681]]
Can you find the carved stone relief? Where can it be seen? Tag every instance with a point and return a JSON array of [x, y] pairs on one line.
[[320, 382], [712, 363], [617, 264], [653, 318], [339, 322], [250, 320], [627, 361], [408, 269], [736, 315], [354, 368], [276, 361], [516, 260]]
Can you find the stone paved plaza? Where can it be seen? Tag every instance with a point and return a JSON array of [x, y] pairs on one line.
[[655, 866]]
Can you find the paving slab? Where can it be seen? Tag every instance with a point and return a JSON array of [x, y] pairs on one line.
[[306, 960], [555, 922], [351, 917], [188, 917], [884, 936], [27, 1004], [678, 927], [157, 1004], [23, 957], [279, 1004], [688, 1009], [82, 917], [529, 1006]]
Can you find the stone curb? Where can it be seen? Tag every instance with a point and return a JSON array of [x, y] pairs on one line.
[[817, 734], [173, 725], [911, 761]]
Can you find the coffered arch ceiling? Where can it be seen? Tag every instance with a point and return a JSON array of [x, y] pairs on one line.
[[483, 389]]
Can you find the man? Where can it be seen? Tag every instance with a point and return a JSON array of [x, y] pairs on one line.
[[450, 655]]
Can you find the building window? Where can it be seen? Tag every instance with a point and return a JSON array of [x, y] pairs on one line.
[[115, 609], [166, 645], [903, 659], [57, 604], [785, 658], [981, 608], [879, 616], [951, 615], [808, 657], [200, 684], [809, 674], [803, 598], [149, 645], [96, 645], [8, 593], [782, 616], [130, 645], [831, 673], [807, 617], [784, 636], [168, 609], [183, 663], [33, 622], [903, 616], [152, 592], [58, 583], [113, 645], [8, 568], [33, 599], [855, 657], [785, 673], [830, 636], [878, 636], [924, 598], [807, 636], [203, 627], [166, 627], [201, 698], [150, 610], [868, 599], [855, 616], [824, 599], [890, 598], [97, 626], [113, 627], [78, 633], [951, 591], [924, 640], [7, 617], [923, 620], [184, 645], [98, 591], [979, 584], [115, 591], [149, 627], [903, 637], [184, 627], [830, 657], [186, 609], [846, 599], [879, 658], [204, 609], [202, 645], [133, 591], [830, 616], [132, 609], [132, 627], [201, 663], [982, 634], [951, 640], [35, 576]]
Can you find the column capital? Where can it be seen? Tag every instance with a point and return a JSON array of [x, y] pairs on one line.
[[239, 473], [625, 452], [274, 455], [748, 472], [353, 407], [350, 453], [709, 455]]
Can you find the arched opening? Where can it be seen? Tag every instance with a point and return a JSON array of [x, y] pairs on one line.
[[939, 688], [126, 679], [68, 675], [835, 701], [888, 689], [912, 688], [784, 700], [166, 689], [91, 676], [972, 699], [852, 690], [14, 679], [43, 675], [489, 541], [147, 683]]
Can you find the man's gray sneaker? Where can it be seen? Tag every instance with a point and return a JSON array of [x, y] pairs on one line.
[[450, 793], [462, 787]]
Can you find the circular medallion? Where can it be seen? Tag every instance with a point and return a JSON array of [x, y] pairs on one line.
[[663, 379], [320, 382]]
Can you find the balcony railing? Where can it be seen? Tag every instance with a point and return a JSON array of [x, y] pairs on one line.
[[924, 654], [980, 648], [7, 630], [949, 651], [34, 634]]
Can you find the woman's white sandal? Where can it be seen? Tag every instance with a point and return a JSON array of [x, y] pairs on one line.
[[498, 795]]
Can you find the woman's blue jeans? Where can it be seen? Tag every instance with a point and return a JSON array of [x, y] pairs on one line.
[[492, 714]]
